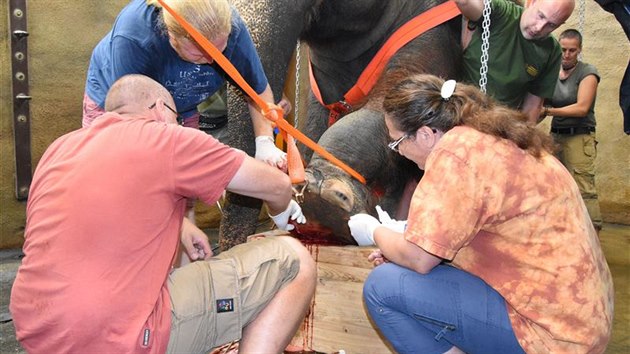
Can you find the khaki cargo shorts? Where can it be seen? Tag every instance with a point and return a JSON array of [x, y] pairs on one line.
[[213, 300]]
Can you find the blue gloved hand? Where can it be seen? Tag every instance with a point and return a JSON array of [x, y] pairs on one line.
[[292, 212], [388, 222], [362, 228]]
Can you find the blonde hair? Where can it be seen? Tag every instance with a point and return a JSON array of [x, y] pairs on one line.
[[416, 102], [212, 18]]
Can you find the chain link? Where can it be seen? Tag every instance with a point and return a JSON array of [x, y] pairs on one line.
[[297, 84], [485, 45]]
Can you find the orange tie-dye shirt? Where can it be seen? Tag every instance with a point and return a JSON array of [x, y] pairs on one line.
[[518, 223]]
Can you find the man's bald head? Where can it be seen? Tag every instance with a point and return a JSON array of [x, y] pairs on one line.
[[541, 17], [134, 94]]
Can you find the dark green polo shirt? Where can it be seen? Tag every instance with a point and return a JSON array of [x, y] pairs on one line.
[[516, 65]]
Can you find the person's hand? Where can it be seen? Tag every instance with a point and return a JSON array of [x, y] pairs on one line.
[[388, 222], [362, 228], [293, 212], [286, 106], [377, 258], [268, 152], [383, 216], [544, 112], [195, 241]]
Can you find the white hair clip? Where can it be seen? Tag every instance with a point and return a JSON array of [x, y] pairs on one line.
[[448, 87]]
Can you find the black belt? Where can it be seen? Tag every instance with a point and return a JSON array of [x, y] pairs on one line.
[[212, 123], [573, 130]]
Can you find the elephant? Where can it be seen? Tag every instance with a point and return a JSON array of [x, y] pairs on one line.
[[330, 196], [342, 36]]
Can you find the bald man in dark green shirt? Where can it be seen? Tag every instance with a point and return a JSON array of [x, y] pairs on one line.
[[524, 60]]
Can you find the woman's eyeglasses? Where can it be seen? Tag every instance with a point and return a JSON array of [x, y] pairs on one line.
[[394, 144]]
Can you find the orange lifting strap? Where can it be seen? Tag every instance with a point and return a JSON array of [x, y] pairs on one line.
[[410, 30], [271, 111]]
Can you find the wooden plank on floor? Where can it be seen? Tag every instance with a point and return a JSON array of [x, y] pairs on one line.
[[338, 319]]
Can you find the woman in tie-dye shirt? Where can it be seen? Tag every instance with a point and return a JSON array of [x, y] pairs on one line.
[[499, 254]]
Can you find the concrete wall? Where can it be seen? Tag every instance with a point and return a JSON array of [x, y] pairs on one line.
[[607, 47], [63, 33]]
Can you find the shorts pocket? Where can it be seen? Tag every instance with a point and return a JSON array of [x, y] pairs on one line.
[[189, 288], [225, 300]]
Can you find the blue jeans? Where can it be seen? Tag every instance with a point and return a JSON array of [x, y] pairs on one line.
[[430, 313]]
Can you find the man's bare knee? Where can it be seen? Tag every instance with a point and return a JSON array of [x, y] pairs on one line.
[[307, 264]]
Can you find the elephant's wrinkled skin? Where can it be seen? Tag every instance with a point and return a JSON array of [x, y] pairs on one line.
[[343, 36], [331, 196]]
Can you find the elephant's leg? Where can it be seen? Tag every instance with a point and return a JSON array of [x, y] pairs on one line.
[[240, 216], [240, 213], [274, 26]]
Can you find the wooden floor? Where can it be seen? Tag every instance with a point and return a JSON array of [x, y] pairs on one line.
[[615, 240]]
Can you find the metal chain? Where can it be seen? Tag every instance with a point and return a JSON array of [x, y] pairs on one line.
[[485, 45], [581, 18], [297, 84]]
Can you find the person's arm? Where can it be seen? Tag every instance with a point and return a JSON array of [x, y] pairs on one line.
[[532, 106], [262, 126], [194, 241], [266, 150], [367, 231], [404, 253], [471, 9], [242, 53], [587, 90], [259, 180]]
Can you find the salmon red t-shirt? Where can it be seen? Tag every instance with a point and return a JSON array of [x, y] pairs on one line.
[[103, 219]]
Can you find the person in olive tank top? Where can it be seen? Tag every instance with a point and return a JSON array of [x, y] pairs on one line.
[[573, 124]]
